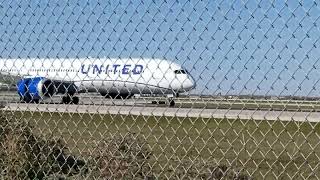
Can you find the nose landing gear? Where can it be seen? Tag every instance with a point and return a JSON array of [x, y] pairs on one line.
[[170, 100]]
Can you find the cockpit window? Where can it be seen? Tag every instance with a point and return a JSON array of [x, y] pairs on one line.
[[180, 71]]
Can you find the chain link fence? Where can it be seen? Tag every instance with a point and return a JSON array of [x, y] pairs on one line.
[[159, 89]]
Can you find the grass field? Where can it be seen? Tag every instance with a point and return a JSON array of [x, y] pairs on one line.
[[259, 149]]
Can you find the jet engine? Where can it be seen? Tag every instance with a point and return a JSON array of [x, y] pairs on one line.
[[34, 89]]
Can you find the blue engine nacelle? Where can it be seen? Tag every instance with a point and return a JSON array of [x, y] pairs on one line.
[[34, 89]]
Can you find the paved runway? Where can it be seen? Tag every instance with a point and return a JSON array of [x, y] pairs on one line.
[[166, 111], [140, 106]]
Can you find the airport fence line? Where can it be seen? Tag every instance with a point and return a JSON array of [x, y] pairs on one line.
[[159, 89]]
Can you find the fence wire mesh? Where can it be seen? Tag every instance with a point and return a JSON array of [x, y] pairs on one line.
[[159, 89]]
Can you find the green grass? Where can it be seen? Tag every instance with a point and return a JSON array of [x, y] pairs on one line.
[[262, 149]]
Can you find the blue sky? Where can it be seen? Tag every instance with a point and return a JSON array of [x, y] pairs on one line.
[[230, 47]]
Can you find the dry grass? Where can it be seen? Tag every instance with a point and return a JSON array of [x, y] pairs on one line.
[[25, 155], [31, 151]]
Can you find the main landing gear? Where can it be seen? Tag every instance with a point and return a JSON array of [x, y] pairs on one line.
[[29, 100], [171, 102], [70, 99]]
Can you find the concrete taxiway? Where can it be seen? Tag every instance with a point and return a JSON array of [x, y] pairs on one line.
[[143, 106], [166, 111]]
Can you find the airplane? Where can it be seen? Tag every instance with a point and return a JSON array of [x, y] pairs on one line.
[[114, 78]]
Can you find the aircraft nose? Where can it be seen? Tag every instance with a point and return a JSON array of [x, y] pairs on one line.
[[190, 83]]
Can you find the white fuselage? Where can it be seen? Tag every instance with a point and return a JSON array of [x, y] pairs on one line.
[[135, 76]]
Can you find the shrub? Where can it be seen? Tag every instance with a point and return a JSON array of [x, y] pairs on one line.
[[24, 154], [195, 169]]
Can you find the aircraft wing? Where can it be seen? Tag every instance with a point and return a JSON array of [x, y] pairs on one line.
[[9, 79], [8, 82]]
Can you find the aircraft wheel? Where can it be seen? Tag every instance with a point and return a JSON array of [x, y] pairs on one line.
[[66, 99], [29, 100], [103, 94], [171, 102], [36, 101], [75, 100]]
